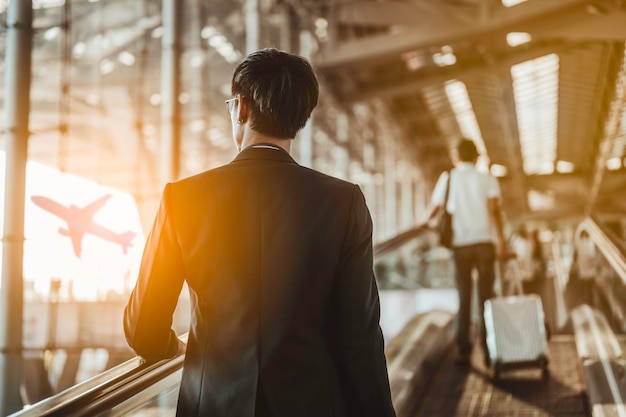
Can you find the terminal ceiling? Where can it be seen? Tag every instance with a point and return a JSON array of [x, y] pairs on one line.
[[544, 79], [539, 84]]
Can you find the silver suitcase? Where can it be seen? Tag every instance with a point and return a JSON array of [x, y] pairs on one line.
[[516, 333]]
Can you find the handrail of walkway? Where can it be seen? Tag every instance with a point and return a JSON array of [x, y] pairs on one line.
[[414, 356], [390, 245], [109, 388], [105, 390], [602, 362], [611, 249], [617, 241]]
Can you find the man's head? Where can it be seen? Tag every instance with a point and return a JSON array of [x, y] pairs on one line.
[[467, 151], [279, 91]]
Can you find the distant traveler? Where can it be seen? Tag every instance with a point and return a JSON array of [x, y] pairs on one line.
[[585, 264], [538, 283], [522, 247], [527, 249], [278, 259], [474, 202]]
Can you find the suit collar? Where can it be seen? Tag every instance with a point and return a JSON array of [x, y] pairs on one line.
[[264, 151]]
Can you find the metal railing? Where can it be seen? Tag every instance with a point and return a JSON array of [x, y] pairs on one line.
[[612, 288], [105, 390], [396, 242]]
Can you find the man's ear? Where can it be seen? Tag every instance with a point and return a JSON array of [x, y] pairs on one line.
[[243, 111]]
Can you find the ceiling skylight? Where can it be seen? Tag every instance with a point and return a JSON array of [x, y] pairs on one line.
[[511, 3], [517, 38], [535, 86], [465, 117], [564, 167]]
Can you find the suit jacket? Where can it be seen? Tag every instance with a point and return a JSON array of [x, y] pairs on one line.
[[285, 309]]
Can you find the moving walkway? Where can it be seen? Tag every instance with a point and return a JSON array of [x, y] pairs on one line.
[[586, 364]]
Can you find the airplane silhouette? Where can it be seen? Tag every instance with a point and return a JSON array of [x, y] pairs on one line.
[[79, 222]]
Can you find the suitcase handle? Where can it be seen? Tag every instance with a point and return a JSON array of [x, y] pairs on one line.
[[517, 281]]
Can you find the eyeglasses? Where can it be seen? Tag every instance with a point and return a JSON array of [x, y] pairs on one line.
[[230, 103]]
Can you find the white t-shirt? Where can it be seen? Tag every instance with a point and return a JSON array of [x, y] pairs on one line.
[[469, 192]]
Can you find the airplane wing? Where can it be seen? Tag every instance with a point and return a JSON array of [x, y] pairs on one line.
[[51, 206], [91, 209]]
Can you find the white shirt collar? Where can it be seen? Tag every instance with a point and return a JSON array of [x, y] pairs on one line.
[[265, 146]]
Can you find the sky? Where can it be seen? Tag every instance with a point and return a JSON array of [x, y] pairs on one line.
[[102, 267]]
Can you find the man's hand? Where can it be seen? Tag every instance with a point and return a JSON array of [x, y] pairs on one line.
[[502, 250], [182, 348]]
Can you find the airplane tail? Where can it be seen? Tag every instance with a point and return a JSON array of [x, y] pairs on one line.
[[126, 240]]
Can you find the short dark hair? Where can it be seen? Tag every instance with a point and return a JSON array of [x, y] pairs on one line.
[[280, 89], [467, 150]]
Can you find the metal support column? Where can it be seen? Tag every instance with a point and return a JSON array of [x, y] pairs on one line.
[[406, 197], [253, 26], [304, 151], [391, 195], [16, 107], [170, 90], [289, 26]]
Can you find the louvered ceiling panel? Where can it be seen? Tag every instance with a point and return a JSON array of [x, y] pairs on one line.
[[581, 77], [485, 100]]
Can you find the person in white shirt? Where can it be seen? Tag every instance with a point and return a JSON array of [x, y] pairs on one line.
[[474, 203], [585, 261], [523, 249]]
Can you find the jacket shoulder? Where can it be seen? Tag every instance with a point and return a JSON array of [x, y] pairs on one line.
[[309, 175]]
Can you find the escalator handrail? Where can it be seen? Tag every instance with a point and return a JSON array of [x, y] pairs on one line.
[[106, 389], [609, 249], [123, 381], [611, 235], [390, 245]]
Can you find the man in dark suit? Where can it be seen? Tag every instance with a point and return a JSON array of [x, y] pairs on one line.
[[278, 260]]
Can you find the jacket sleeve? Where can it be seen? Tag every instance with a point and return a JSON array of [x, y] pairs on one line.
[[358, 341], [148, 314]]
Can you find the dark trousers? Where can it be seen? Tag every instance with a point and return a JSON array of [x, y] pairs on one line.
[[586, 288], [481, 256]]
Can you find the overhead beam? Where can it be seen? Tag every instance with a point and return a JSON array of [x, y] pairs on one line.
[[580, 25], [537, 15], [505, 110], [460, 72], [373, 13], [612, 130]]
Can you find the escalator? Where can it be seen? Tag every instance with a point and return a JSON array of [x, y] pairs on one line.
[[139, 388], [424, 379], [587, 367]]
